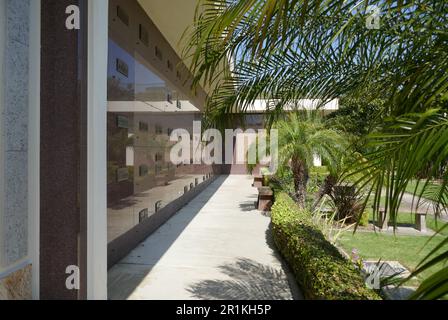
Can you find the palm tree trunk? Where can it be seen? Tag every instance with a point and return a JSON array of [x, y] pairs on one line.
[[300, 174]]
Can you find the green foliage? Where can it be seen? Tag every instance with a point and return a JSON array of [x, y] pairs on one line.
[[289, 50], [406, 145], [317, 178], [327, 223], [266, 180], [349, 205], [364, 219], [301, 136], [356, 115], [323, 170], [282, 181], [321, 271]]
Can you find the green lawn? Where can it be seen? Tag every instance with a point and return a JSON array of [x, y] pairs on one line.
[[408, 250], [410, 188], [412, 185]]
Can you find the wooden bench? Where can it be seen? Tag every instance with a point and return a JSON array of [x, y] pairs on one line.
[[265, 198], [258, 182]]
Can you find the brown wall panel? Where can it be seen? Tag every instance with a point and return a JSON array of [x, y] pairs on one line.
[[62, 184]]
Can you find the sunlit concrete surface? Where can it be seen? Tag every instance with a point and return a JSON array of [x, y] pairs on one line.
[[217, 247]]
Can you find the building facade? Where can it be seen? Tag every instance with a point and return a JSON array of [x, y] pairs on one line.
[[90, 92]]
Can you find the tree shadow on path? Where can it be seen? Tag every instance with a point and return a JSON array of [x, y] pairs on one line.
[[250, 280]]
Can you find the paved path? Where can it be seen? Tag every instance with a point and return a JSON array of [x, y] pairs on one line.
[[216, 247]]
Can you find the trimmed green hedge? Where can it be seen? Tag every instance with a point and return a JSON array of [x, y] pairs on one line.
[[321, 271]]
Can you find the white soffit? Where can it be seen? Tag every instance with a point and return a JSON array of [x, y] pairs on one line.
[[150, 106], [261, 105], [172, 17]]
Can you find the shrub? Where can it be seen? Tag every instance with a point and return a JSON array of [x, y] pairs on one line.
[[364, 219], [321, 271], [282, 181], [349, 205], [317, 177], [323, 170]]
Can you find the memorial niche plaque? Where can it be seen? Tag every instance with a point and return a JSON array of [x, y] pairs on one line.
[[143, 215], [143, 126], [143, 170], [158, 206], [158, 157], [169, 65], [143, 35], [158, 53], [169, 98], [122, 174], [122, 122], [122, 67], [122, 15], [158, 129]]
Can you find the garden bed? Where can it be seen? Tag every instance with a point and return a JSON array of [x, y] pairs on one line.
[[321, 271]]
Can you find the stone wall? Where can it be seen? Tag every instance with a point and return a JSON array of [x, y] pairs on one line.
[[14, 77], [17, 285]]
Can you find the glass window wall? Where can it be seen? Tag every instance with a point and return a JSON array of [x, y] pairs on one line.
[[143, 111]]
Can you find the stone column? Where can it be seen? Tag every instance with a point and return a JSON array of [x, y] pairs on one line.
[[420, 221], [15, 275]]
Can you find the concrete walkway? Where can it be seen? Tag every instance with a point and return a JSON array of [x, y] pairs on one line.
[[216, 247]]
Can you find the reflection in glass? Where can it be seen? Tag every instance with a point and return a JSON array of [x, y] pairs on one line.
[[143, 110]]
